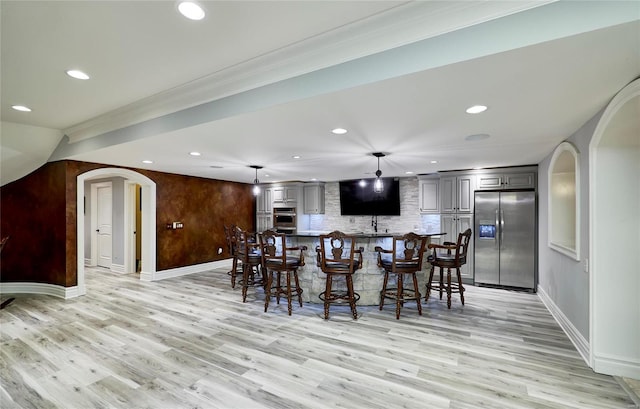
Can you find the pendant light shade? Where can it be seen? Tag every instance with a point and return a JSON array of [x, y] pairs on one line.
[[256, 182], [378, 186]]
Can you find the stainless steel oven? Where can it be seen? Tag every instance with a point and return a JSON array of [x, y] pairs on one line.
[[284, 219]]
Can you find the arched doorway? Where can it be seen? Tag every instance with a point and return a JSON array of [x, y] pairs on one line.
[[148, 222], [614, 221]]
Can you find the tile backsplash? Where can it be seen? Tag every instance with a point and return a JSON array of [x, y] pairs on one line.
[[410, 218]]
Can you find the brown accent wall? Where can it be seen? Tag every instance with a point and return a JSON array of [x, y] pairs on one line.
[[39, 212]]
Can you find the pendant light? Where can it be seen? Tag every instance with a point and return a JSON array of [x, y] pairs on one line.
[[378, 186], [256, 182]]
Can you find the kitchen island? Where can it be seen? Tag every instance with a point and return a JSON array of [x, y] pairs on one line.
[[367, 281]]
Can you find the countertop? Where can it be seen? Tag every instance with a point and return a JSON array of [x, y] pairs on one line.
[[361, 234]]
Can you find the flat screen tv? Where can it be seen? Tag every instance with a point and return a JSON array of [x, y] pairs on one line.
[[357, 198]]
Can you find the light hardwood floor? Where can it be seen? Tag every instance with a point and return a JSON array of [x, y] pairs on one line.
[[190, 342]]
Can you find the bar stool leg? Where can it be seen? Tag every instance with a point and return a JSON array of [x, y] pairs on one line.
[[449, 288], [289, 308], [352, 297], [460, 287], [429, 284], [298, 289], [327, 294], [441, 282], [399, 295], [384, 289], [267, 289], [417, 293]]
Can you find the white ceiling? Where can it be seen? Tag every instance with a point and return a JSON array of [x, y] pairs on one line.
[[255, 83]]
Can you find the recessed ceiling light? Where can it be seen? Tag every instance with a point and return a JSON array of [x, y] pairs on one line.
[[21, 108], [266, 175], [476, 137], [314, 179], [296, 156], [77, 74], [147, 161], [194, 153], [191, 10], [434, 161], [476, 109], [339, 131], [408, 172]]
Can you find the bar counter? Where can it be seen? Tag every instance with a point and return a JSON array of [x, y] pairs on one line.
[[367, 281]]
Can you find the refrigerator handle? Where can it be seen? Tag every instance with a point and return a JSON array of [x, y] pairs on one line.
[[497, 239], [501, 226]]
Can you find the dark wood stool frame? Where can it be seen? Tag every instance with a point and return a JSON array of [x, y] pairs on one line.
[[406, 258], [275, 259], [248, 252], [336, 258], [455, 257]]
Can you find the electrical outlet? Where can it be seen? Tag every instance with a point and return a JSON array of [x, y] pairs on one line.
[[219, 250]]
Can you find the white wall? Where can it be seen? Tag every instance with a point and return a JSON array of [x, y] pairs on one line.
[[564, 280]]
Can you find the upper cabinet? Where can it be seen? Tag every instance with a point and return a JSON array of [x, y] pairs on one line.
[[429, 191], [457, 194], [507, 180], [264, 201], [286, 195], [313, 198]]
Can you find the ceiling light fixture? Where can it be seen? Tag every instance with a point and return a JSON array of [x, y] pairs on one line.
[[191, 10], [256, 182], [434, 161], [378, 186], [476, 137], [476, 109], [194, 153], [408, 172], [147, 161], [339, 131], [21, 108], [296, 156], [77, 74]]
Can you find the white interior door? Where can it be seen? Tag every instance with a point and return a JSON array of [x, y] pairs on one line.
[[104, 227]]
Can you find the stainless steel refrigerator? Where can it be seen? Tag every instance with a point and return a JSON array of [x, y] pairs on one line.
[[505, 239]]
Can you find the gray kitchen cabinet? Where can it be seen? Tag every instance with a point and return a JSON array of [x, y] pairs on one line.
[[429, 191], [286, 195], [507, 180], [457, 193], [264, 201], [313, 196]]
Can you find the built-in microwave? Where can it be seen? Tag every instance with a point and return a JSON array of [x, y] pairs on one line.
[[284, 218]]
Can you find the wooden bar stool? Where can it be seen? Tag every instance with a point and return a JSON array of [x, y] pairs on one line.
[[455, 257], [336, 258], [405, 258], [248, 252], [276, 259], [230, 235]]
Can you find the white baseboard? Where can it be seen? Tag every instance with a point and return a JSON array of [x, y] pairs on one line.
[[614, 365], [87, 262], [118, 268], [39, 288], [580, 342], [182, 271]]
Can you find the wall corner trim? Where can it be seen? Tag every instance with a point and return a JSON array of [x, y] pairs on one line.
[[39, 288], [579, 341], [182, 271]]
